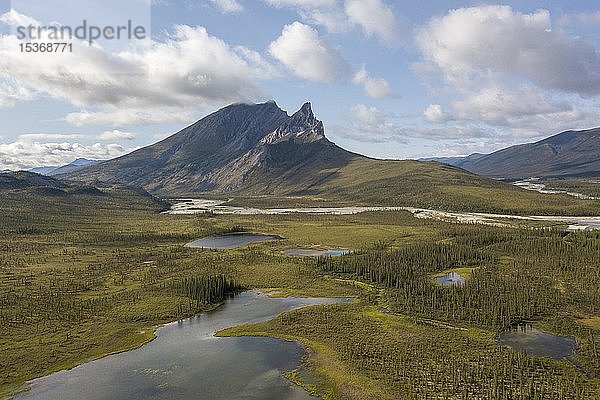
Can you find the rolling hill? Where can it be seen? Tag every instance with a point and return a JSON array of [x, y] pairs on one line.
[[571, 154], [259, 151], [24, 189]]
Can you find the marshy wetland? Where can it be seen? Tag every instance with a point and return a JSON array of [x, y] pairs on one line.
[[89, 277]]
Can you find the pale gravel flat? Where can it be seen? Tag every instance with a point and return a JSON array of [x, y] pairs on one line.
[[195, 206]]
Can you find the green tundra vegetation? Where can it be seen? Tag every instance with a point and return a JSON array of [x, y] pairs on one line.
[[84, 274], [411, 184], [417, 339], [589, 186]]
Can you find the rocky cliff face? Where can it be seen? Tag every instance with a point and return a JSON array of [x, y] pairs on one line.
[[237, 146], [302, 127]]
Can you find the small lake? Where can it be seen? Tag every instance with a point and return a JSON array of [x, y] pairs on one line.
[[451, 279], [315, 252], [525, 338], [230, 241], [186, 361]]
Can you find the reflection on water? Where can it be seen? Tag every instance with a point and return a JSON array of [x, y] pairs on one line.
[[451, 279], [530, 340], [314, 252], [186, 361], [231, 241]]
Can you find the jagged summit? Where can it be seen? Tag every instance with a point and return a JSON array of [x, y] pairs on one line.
[[305, 111], [302, 127], [226, 150], [259, 150]]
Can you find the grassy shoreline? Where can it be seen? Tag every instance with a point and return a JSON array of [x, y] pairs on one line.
[[135, 342]]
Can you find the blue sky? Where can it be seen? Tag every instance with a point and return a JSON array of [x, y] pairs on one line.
[[389, 79]]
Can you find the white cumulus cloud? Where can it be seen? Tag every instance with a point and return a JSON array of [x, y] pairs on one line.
[[501, 68], [370, 125], [26, 154], [11, 92], [14, 18], [375, 17], [500, 105], [167, 80], [376, 88], [228, 6], [469, 43], [302, 51], [116, 134], [435, 113]]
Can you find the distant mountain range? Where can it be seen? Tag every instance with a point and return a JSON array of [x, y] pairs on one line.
[[64, 169], [455, 161], [258, 151], [571, 154]]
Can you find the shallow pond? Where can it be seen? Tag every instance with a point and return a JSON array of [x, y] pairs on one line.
[[533, 341], [186, 361], [230, 241], [315, 252], [451, 279]]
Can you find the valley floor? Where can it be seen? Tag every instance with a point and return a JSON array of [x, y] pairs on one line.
[[81, 282]]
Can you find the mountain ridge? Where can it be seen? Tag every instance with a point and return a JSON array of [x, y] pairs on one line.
[[569, 154], [224, 150], [260, 153], [51, 170]]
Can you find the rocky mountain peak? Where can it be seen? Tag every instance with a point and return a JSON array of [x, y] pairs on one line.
[[226, 150], [305, 112], [302, 126]]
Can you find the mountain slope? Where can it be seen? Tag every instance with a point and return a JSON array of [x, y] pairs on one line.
[[565, 155], [260, 152], [226, 150], [44, 170], [25, 179]]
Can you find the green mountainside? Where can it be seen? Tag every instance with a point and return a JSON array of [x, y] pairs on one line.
[[258, 150]]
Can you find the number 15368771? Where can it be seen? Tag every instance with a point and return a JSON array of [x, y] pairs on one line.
[[52, 47]]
